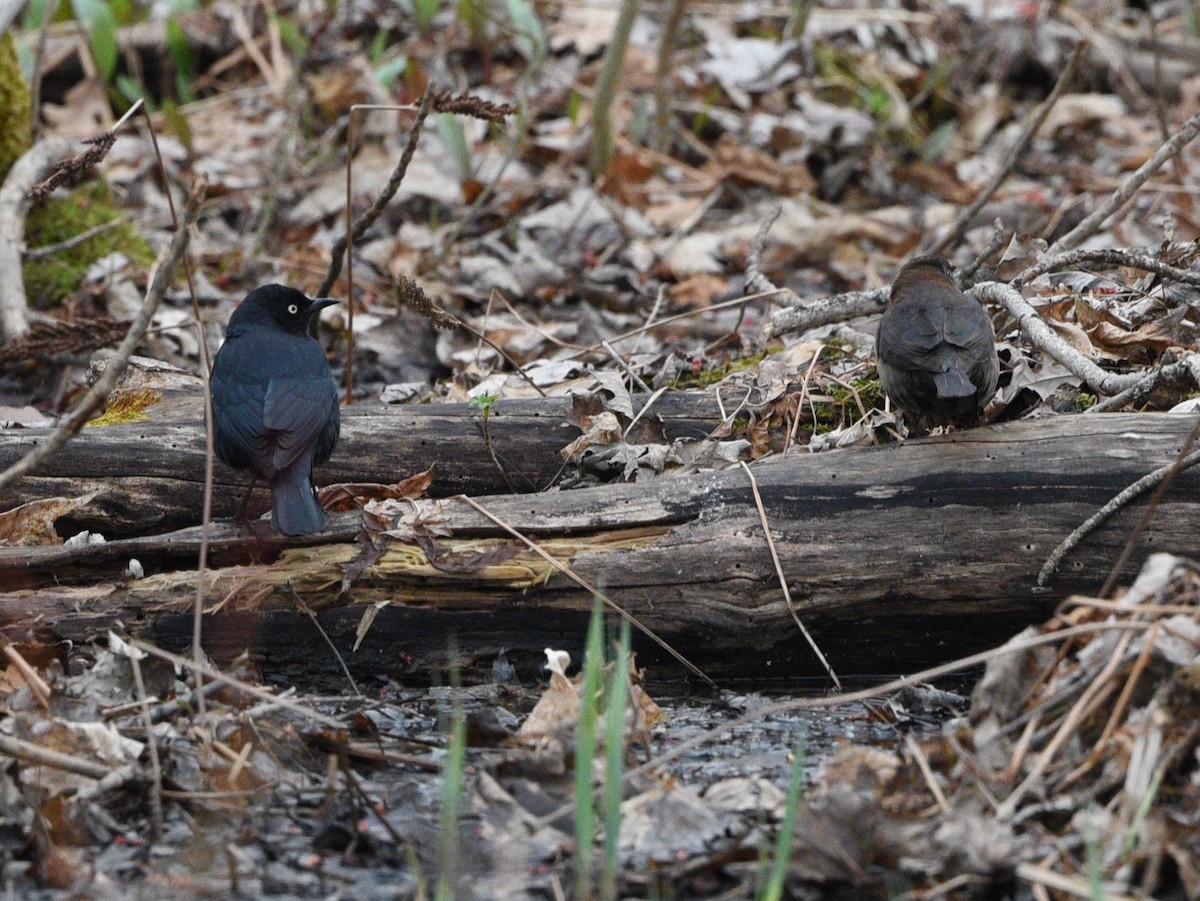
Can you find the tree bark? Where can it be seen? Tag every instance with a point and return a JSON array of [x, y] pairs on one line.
[[149, 476], [897, 557]]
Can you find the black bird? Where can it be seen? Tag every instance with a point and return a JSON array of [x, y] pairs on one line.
[[935, 349], [275, 406]]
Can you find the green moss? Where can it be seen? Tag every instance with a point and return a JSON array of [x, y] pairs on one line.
[[707, 377], [15, 106], [842, 408], [1084, 401], [128, 407], [58, 219]]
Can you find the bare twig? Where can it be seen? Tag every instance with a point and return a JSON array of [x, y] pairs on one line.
[[356, 228], [755, 280], [308, 611], [1179, 373], [205, 375], [27, 171], [827, 311], [963, 220], [252, 690], [1126, 190], [156, 786], [1042, 337], [586, 586], [98, 393], [1106, 257], [787, 594], [1177, 466], [1119, 503], [35, 753], [662, 75], [40, 253], [966, 275]]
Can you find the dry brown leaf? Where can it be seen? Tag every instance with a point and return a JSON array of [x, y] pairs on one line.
[[601, 429], [352, 495], [698, 291]]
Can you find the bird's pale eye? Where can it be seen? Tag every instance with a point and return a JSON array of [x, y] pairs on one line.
[[292, 308]]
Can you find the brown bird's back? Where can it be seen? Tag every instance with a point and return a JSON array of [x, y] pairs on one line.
[[935, 348]]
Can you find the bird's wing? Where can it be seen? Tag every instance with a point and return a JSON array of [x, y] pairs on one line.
[[296, 414], [240, 440], [968, 326], [911, 331]]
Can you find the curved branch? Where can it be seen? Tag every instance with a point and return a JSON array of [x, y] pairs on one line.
[[96, 395], [1042, 337], [33, 166]]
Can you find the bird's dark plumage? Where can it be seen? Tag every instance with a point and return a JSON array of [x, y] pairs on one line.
[[275, 405], [935, 348]]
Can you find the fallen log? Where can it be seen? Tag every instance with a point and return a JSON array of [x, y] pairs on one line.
[[149, 476], [898, 557]]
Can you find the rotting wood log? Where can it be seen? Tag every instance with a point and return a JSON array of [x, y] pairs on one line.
[[149, 476], [897, 557]]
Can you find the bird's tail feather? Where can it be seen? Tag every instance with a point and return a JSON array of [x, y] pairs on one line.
[[953, 383], [294, 507]]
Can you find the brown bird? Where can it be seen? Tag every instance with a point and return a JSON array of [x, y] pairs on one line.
[[935, 348]]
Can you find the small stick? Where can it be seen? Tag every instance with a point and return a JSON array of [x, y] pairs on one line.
[[637, 379], [1042, 337], [37, 685], [40, 253], [1174, 373], [35, 753], [1015, 152], [205, 377], [967, 273], [156, 787], [308, 611], [586, 586], [1122, 500], [1173, 470], [1092, 224], [1096, 691], [244, 687], [787, 594], [1109, 257], [755, 280], [927, 773]]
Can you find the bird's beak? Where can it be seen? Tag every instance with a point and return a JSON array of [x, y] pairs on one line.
[[314, 312]]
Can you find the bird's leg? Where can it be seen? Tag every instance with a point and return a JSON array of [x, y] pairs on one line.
[[242, 516]]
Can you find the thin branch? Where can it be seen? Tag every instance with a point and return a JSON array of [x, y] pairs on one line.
[[827, 311], [1092, 224], [787, 594], [356, 229], [966, 275], [961, 222], [1122, 500], [755, 280], [1042, 337], [1107, 257], [586, 586], [1179, 373], [253, 691], [98, 393], [48, 250], [33, 165]]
